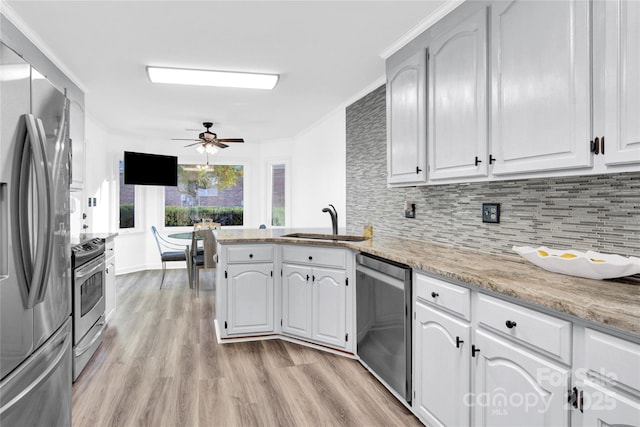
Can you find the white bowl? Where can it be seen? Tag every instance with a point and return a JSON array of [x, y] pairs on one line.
[[592, 265]]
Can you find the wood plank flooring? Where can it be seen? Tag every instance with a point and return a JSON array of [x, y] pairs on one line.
[[160, 365]]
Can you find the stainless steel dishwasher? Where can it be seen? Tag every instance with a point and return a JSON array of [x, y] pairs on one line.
[[383, 304]]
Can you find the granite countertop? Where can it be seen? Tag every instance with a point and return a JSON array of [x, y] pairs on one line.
[[614, 303]]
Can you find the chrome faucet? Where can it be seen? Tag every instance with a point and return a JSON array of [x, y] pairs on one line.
[[334, 218]]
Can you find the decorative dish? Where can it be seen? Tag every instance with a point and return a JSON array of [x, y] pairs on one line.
[[590, 264]]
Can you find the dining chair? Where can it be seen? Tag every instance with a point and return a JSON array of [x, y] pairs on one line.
[[198, 260], [169, 251]]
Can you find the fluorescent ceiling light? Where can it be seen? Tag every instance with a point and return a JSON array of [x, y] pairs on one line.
[[183, 76]]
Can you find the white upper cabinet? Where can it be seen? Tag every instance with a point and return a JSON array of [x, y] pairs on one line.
[[541, 114], [622, 82], [457, 116], [76, 134], [406, 122]]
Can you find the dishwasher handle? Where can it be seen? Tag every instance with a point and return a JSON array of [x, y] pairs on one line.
[[388, 268]]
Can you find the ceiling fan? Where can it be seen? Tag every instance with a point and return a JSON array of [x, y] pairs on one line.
[[209, 141]]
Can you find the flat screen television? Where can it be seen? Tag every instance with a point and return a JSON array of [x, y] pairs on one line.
[[150, 169]]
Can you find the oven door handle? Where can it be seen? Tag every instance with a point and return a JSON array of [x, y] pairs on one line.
[[80, 351], [80, 273]]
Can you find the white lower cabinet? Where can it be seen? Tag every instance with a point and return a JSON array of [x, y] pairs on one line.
[[484, 361], [245, 290], [310, 296], [314, 304], [250, 296], [442, 370], [515, 387], [109, 279]]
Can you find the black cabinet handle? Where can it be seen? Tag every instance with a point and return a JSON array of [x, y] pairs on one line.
[[418, 170], [310, 258], [510, 324], [491, 159], [434, 295], [474, 350], [250, 255], [307, 277], [313, 278], [602, 145], [595, 146], [458, 342], [478, 161]]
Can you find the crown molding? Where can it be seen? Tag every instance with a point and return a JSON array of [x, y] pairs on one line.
[[13, 17], [427, 22]]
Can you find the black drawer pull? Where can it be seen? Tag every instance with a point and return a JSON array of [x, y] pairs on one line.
[[250, 255], [310, 258], [458, 342], [434, 295], [510, 324]]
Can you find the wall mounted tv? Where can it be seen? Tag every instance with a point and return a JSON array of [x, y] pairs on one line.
[[150, 169]]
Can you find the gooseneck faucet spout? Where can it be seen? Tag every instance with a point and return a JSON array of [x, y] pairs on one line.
[[334, 218]]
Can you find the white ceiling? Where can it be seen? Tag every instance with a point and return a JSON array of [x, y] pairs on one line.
[[326, 52]]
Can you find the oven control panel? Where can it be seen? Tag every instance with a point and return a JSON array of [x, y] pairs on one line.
[[86, 251]]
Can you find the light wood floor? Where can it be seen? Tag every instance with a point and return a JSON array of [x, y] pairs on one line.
[[160, 365]]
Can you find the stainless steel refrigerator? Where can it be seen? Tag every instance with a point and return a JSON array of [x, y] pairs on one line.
[[35, 255]]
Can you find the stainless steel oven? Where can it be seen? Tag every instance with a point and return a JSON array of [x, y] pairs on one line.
[[88, 301], [383, 307]]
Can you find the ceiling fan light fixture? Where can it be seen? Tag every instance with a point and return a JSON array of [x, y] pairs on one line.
[[212, 149], [212, 78], [200, 148]]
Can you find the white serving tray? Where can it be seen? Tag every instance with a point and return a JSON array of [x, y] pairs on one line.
[[592, 265]]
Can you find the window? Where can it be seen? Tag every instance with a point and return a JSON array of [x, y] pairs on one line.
[[278, 195], [212, 193], [127, 201]]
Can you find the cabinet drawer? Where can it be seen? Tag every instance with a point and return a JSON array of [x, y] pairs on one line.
[[109, 248], [448, 296], [254, 253], [547, 334], [309, 255], [613, 361]]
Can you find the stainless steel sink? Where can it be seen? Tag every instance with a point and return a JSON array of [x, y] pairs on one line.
[[327, 237]]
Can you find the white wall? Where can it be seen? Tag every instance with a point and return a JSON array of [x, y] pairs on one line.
[[316, 157], [318, 172]]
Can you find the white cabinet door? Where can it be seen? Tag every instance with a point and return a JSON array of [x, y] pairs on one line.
[[603, 407], [441, 368], [77, 135], [541, 86], [514, 387], [329, 306], [110, 288], [458, 101], [622, 82], [296, 300], [406, 120], [250, 298]]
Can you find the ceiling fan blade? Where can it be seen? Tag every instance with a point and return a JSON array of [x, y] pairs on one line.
[[184, 139], [218, 144], [191, 145], [231, 139]]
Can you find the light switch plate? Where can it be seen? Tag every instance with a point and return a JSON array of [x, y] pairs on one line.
[[491, 212]]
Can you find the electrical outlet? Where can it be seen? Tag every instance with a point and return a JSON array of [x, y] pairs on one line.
[[491, 212], [409, 210]]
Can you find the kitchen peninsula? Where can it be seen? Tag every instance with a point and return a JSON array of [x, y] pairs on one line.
[[611, 304]]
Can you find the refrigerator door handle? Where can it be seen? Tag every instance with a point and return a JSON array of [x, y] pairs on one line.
[[49, 210], [4, 231], [31, 273], [62, 345]]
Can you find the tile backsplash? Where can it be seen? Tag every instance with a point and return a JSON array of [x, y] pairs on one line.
[[597, 212]]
